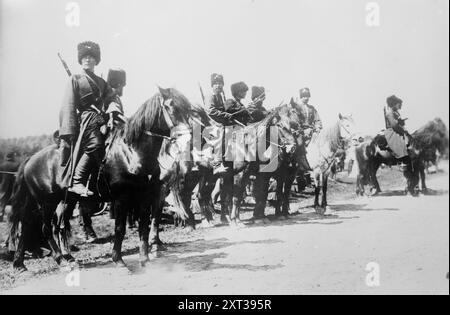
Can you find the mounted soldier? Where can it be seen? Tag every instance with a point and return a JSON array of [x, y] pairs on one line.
[[256, 108], [116, 80], [395, 133], [311, 126], [227, 113], [81, 117]]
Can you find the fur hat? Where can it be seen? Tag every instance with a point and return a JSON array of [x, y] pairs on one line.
[[217, 79], [88, 48], [116, 77], [257, 91], [393, 100], [305, 92], [238, 87]]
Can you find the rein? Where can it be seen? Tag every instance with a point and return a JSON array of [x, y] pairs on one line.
[[8, 173]]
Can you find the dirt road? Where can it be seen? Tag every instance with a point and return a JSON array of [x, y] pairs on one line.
[[387, 244]]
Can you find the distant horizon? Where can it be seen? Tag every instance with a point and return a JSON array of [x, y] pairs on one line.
[[284, 46]]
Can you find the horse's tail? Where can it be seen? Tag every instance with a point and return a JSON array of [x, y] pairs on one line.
[[23, 205]]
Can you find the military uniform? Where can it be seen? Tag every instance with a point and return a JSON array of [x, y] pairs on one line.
[[395, 132], [256, 109], [82, 115], [311, 124]]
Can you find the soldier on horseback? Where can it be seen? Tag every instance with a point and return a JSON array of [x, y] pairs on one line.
[[311, 125], [227, 113], [395, 133], [116, 80], [82, 116], [256, 108]]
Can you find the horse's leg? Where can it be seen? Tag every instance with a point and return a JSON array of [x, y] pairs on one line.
[[204, 199], [261, 192], [156, 212], [226, 197], [86, 208], [279, 193], [237, 195], [120, 214], [289, 179], [62, 230], [422, 178], [187, 186], [52, 236], [144, 230], [324, 192], [316, 191], [19, 254], [373, 168]]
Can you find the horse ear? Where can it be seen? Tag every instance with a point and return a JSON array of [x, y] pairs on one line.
[[340, 116], [164, 92], [291, 101]]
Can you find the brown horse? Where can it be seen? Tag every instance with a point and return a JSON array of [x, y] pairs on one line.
[[371, 154], [130, 173]]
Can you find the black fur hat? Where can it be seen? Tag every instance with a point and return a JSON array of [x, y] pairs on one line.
[[88, 48], [116, 77], [305, 92], [393, 100], [217, 79], [238, 87], [257, 91]]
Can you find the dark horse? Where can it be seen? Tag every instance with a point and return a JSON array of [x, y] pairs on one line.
[[423, 142], [130, 173], [282, 147]]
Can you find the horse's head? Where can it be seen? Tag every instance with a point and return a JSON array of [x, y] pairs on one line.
[[175, 109], [287, 123], [346, 127]]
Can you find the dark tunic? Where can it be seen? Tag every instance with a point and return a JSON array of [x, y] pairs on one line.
[[257, 112], [234, 106], [216, 106], [84, 91]]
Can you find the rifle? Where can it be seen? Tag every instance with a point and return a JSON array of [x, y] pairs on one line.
[[64, 65], [203, 95]]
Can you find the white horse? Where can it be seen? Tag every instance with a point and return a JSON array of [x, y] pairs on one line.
[[321, 155]]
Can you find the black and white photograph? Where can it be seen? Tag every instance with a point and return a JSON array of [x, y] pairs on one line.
[[224, 153]]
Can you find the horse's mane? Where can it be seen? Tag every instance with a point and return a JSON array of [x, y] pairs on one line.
[[433, 133], [147, 117], [332, 135]]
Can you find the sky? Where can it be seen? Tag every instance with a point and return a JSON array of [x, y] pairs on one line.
[[327, 45]]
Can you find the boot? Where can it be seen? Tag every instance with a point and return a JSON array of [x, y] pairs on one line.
[[81, 176]]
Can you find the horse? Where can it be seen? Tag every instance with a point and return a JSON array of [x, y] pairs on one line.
[[128, 176], [231, 199], [8, 169], [371, 154], [321, 155]]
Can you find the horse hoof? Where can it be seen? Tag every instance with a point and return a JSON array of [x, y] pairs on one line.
[[143, 261], [120, 263], [206, 224], [68, 258], [20, 269]]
